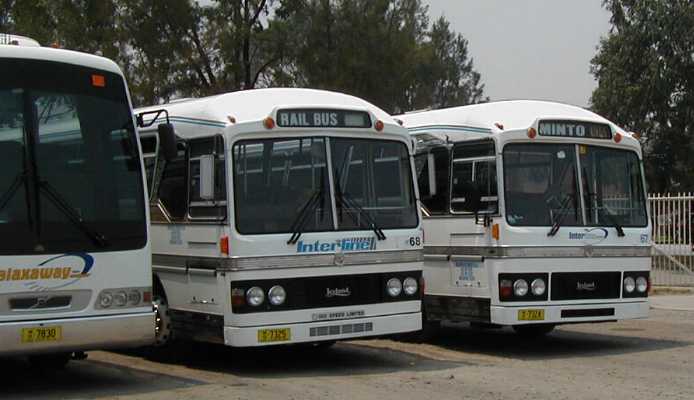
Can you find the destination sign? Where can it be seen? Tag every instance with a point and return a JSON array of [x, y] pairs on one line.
[[323, 118], [577, 129]]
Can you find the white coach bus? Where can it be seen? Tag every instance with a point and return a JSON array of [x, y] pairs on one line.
[[534, 215], [75, 261], [288, 216]]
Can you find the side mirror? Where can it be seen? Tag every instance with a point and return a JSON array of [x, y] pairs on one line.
[[431, 169], [206, 177], [167, 141]]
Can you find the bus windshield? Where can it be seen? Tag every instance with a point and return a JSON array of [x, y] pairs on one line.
[[71, 177], [275, 179], [541, 183]]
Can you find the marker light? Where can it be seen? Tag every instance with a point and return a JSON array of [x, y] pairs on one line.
[[237, 297], [532, 133], [399, 121], [224, 245], [255, 296], [499, 125], [520, 287], [231, 119], [120, 299], [394, 287], [495, 231], [629, 284], [641, 284], [636, 135], [505, 288], [98, 80], [277, 295], [409, 286], [379, 125], [617, 137], [269, 123], [538, 287], [134, 297]]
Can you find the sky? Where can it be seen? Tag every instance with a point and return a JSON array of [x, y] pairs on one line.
[[530, 49]]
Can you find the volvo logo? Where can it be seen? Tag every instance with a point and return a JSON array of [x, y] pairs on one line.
[[337, 292], [586, 286]]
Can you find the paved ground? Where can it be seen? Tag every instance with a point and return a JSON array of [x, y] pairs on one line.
[[645, 359]]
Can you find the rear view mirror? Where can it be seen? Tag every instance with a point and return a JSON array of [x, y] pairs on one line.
[[167, 141], [206, 177]]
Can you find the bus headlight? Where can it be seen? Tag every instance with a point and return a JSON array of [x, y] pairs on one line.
[[641, 284], [629, 284], [538, 287], [255, 296], [520, 287], [394, 287], [105, 299], [409, 286], [120, 299], [134, 297], [276, 295]]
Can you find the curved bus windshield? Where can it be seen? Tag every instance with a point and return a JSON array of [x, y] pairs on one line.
[[71, 177], [542, 187], [276, 179]]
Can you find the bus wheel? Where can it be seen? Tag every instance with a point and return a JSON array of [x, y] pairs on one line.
[[534, 330], [50, 361], [162, 325]]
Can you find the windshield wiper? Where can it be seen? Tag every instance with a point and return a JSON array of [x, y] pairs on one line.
[[564, 206], [301, 219], [344, 199], [61, 204], [613, 220]]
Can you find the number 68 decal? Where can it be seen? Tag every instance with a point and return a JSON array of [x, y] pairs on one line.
[[415, 241]]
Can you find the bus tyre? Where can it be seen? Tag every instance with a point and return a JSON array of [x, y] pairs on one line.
[[534, 330], [162, 323], [50, 362]]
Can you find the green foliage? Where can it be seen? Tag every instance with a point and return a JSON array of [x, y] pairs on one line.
[[381, 50], [645, 71]]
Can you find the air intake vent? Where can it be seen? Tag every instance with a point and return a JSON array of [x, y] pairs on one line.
[[40, 302]]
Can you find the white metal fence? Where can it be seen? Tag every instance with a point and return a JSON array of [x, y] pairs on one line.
[[673, 252]]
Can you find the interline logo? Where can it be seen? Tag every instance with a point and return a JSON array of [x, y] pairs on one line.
[[340, 245], [56, 272]]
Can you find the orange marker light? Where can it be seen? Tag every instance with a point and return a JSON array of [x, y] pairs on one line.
[[532, 133], [495, 231], [224, 245], [269, 123], [379, 125], [617, 137], [98, 80]]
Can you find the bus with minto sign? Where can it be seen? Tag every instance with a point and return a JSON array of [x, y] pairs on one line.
[[534, 215]]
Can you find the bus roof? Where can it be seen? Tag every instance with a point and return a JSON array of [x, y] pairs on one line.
[[257, 104], [511, 114], [59, 55]]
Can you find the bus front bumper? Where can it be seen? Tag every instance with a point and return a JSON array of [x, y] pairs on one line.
[[79, 334], [309, 332], [564, 314]]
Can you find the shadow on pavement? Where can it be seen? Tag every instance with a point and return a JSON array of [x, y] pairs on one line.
[[80, 379], [294, 361], [563, 342]]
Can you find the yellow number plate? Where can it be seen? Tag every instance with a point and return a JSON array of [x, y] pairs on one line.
[[274, 335], [42, 334], [531, 315]]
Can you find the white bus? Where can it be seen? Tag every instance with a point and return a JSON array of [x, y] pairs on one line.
[[289, 216], [534, 215], [75, 261]]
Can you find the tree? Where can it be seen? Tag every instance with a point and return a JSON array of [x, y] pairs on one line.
[[645, 73], [380, 50]]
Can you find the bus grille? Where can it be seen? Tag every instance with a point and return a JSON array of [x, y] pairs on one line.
[[586, 285]]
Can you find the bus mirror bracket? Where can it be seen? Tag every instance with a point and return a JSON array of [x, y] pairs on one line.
[[165, 131]]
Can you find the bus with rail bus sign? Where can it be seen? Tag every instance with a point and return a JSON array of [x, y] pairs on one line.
[[535, 215], [75, 261], [286, 216]]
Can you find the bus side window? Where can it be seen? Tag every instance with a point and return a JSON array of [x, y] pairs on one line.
[[213, 208], [474, 168], [438, 203], [172, 189]]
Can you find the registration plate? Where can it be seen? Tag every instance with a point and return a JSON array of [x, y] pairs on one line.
[[531, 315], [42, 334], [274, 335]]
